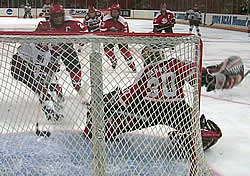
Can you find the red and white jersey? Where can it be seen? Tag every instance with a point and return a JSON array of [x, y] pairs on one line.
[[159, 82], [93, 24], [110, 25], [164, 20], [69, 25]]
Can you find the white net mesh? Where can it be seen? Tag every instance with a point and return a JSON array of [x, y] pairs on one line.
[[100, 105]]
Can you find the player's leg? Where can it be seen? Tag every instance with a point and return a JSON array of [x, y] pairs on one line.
[[191, 26], [109, 52], [110, 106], [127, 56], [73, 66], [21, 71], [197, 28], [52, 100]]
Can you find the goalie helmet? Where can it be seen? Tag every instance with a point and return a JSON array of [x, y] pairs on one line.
[[152, 54]]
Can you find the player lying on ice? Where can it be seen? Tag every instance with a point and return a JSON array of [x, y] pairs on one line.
[[157, 97]]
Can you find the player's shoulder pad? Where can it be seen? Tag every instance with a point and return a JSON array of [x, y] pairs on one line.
[[43, 23], [196, 10], [107, 17], [158, 14], [86, 17], [122, 21], [43, 26], [69, 18], [169, 11], [98, 13]]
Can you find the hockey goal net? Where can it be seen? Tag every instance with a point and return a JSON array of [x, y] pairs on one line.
[[137, 112]]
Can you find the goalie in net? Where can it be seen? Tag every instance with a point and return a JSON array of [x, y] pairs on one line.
[[157, 97]]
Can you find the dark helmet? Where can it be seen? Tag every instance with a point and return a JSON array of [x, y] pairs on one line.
[[152, 54]]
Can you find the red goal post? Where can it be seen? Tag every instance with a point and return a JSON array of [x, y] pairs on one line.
[[124, 125]]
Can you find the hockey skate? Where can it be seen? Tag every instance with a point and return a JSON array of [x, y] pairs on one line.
[[114, 63], [51, 111], [53, 106]]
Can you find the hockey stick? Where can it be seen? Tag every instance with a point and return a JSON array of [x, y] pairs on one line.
[[246, 73], [168, 26], [135, 53]]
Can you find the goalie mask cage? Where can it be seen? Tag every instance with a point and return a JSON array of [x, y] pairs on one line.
[[108, 135]]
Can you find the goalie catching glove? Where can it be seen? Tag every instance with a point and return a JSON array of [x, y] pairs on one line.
[[226, 75], [210, 134]]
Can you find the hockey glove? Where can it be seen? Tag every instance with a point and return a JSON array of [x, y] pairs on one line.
[[223, 76], [210, 133]]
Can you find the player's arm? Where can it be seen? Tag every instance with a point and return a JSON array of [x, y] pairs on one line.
[[80, 27], [155, 25], [126, 28], [43, 26], [186, 15], [172, 19], [103, 27]]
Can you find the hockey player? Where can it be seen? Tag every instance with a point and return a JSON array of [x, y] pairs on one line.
[[35, 67], [157, 97], [58, 22], [164, 20], [93, 19], [27, 11], [45, 10], [194, 18], [113, 22]]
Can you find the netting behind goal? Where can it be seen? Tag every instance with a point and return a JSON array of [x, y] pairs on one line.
[[136, 112]]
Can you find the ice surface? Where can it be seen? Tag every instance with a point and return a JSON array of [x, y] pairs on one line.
[[230, 109]]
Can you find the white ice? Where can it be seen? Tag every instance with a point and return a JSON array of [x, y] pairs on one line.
[[230, 109]]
